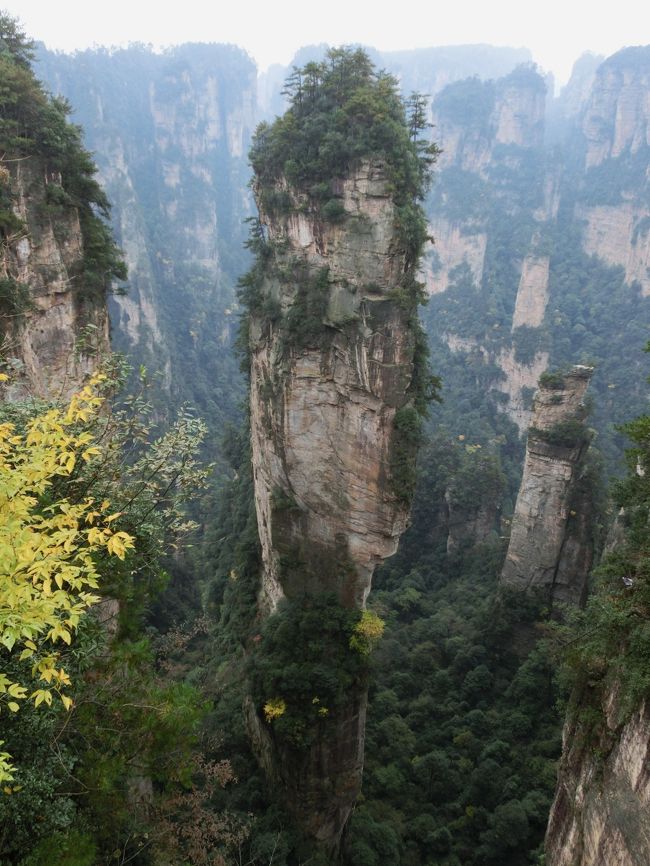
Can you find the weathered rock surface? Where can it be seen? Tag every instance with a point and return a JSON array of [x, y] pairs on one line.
[[518, 379], [509, 112], [550, 547], [469, 525], [617, 117], [587, 173], [323, 436], [455, 245], [620, 235], [600, 813], [60, 332], [502, 126], [519, 111], [322, 410], [616, 130], [532, 294], [171, 153]]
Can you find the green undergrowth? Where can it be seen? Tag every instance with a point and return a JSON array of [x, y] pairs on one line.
[[305, 667]]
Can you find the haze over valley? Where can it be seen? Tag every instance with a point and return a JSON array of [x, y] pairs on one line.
[[324, 449]]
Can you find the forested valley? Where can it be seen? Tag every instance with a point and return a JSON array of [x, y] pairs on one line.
[[323, 457]]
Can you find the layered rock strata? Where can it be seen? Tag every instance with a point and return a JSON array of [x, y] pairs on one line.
[[171, 153], [550, 547], [331, 366], [54, 331], [599, 815]]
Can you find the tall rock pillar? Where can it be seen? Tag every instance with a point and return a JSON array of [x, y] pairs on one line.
[[338, 385], [551, 548], [332, 360]]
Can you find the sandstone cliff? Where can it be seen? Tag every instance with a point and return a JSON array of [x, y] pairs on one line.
[[539, 210], [328, 379], [338, 384], [490, 131], [600, 813], [323, 416], [617, 117], [171, 152], [57, 256], [54, 329], [474, 119], [616, 132], [550, 547]]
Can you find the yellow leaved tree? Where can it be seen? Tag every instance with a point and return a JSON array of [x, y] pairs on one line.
[[48, 547]]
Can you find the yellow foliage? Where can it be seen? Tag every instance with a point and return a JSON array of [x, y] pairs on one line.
[[274, 708], [47, 571], [367, 632]]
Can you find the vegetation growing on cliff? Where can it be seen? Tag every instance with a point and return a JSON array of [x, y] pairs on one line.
[[341, 111], [608, 654], [294, 683], [36, 137]]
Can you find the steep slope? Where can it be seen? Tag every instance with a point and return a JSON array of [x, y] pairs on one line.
[[541, 248], [323, 418], [600, 812], [616, 132], [53, 332]]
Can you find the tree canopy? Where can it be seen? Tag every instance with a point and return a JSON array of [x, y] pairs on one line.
[[340, 111]]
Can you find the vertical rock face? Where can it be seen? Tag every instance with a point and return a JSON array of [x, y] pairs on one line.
[[469, 525], [322, 415], [505, 112], [330, 371], [171, 152], [532, 294], [490, 131], [600, 812], [616, 131], [617, 116], [54, 331], [528, 193], [550, 548]]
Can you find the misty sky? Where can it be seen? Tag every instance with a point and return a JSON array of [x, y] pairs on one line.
[[556, 31]]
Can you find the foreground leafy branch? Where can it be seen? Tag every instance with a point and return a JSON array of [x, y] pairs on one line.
[[48, 545]]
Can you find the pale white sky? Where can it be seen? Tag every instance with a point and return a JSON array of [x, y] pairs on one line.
[[556, 31]]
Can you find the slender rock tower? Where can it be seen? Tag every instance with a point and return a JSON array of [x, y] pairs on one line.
[[336, 391], [551, 548]]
